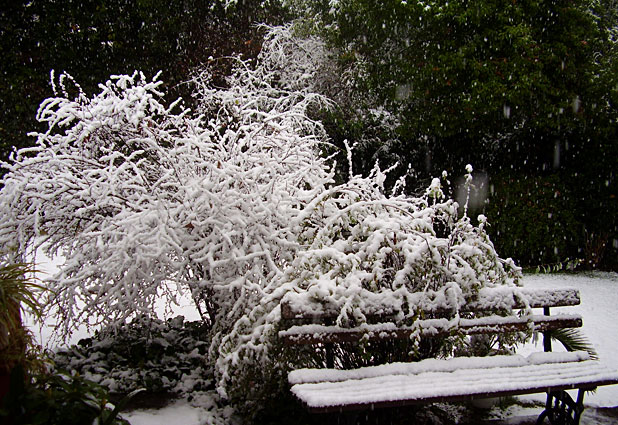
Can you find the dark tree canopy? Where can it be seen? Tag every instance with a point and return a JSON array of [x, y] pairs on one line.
[[521, 89], [469, 70]]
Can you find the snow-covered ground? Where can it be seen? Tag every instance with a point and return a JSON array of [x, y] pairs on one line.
[[599, 308], [180, 413]]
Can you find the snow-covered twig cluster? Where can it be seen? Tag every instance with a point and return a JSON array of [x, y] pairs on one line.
[[362, 248], [145, 200]]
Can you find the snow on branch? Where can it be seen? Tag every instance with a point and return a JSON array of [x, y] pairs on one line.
[[364, 248]]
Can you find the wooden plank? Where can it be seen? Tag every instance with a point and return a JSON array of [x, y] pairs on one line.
[[460, 384], [320, 334], [459, 398], [302, 306]]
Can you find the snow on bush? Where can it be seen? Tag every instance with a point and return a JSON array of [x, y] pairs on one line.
[[364, 247], [147, 353], [235, 203]]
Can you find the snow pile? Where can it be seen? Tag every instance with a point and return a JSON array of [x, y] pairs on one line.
[[182, 412]]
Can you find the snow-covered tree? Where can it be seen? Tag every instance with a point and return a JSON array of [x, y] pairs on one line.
[[145, 200], [234, 203]]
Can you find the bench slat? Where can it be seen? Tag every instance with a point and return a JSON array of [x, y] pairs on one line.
[[455, 383], [316, 334], [307, 376], [303, 306]]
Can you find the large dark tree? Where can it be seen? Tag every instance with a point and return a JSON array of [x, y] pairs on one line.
[[464, 71], [524, 89]]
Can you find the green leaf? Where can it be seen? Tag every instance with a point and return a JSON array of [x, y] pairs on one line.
[[121, 404]]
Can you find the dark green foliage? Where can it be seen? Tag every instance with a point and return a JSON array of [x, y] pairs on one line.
[[473, 69], [56, 398], [532, 219], [555, 220], [518, 89], [146, 353]]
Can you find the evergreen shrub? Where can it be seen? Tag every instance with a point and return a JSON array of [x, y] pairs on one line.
[[534, 220], [58, 398], [160, 356]]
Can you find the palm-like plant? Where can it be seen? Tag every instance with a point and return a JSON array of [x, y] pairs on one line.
[[19, 293], [574, 340]]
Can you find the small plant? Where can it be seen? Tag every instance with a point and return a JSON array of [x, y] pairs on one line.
[[18, 294], [59, 398], [567, 265], [574, 340]]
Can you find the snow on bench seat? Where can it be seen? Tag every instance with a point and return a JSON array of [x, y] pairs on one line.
[[303, 305], [316, 333], [453, 379]]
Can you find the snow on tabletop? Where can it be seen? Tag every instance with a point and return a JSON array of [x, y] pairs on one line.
[[302, 376], [475, 381]]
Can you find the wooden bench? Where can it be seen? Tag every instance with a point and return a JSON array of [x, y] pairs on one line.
[[455, 379]]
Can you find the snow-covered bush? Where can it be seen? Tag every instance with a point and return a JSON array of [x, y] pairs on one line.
[[159, 356], [364, 247], [146, 201], [167, 358], [234, 203]]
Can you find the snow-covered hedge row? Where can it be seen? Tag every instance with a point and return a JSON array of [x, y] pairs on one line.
[[234, 203]]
